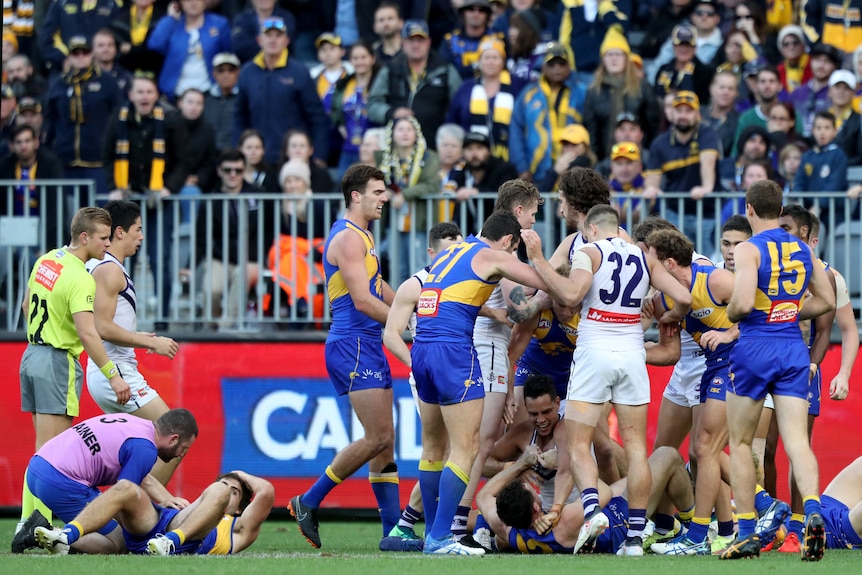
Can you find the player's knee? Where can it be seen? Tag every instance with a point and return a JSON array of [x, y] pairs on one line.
[[667, 454], [382, 440], [125, 487]]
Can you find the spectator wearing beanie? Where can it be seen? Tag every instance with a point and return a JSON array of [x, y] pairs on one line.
[[795, 67], [617, 89], [295, 180]]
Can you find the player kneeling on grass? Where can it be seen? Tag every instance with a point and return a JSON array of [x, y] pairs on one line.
[[224, 520], [513, 508]]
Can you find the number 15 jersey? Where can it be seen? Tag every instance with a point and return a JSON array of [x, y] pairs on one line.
[[60, 287], [611, 310]]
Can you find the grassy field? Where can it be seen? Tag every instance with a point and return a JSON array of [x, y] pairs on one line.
[[350, 548]]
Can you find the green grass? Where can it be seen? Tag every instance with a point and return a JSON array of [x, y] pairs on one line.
[[350, 548]]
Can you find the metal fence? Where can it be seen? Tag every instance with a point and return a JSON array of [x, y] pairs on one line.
[[181, 279]]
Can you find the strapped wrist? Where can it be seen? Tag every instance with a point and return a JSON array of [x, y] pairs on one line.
[[109, 370]]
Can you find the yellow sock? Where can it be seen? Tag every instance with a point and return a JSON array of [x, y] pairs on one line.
[[687, 515], [180, 535]]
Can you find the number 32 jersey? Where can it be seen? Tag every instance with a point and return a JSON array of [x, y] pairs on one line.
[[60, 287], [611, 310]]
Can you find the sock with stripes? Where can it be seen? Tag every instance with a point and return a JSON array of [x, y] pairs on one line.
[[321, 488], [590, 500], [385, 488], [429, 485], [453, 484]]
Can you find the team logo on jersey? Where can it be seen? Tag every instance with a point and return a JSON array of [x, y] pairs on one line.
[[48, 273], [429, 301], [783, 312], [544, 323], [824, 171], [702, 312]]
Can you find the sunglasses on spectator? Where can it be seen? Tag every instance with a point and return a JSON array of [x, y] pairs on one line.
[[80, 52], [705, 13], [744, 17], [274, 24], [231, 170], [790, 43]]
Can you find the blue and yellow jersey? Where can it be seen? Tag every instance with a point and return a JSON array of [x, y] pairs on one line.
[[452, 295], [219, 541], [550, 351], [531, 541], [782, 280], [707, 314], [346, 319]]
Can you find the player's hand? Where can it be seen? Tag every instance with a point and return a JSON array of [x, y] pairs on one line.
[[510, 409], [669, 317], [499, 315], [121, 388], [713, 339], [546, 522], [669, 329], [839, 388], [165, 346], [530, 456], [533, 243], [548, 459], [648, 308], [176, 502]]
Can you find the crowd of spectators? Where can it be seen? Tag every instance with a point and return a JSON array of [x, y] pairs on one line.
[[448, 98]]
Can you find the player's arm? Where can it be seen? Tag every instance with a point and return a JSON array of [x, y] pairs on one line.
[[746, 259], [668, 349], [567, 291], [720, 284], [561, 254], [822, 332], [85, 325], [486, 499], [520, 307], [522, 333], [661, 280], [137, 457], [822, 298], [350, 259], [247, 527], [502, 264], [840, 385], [388, 293], [110, 281], [403, 305], [161, 495]]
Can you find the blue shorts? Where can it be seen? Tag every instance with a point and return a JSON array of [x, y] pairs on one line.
[[357, 363], [713, 383], [617, 511], [760, 365], [65, 497], [839, 531], [137, 544], [447, 373], [561, 380], [814, 387]]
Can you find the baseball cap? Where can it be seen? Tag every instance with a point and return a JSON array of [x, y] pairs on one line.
[[223, 58], [627, 117], [686, 98], [78, 43], [477, 138], [558, 51], [29, 104], [415, 28], [845, 76], [684, 34], [273, 24], [330, 37], [574, 134], [752, 68], [627, 150], [483, 4], [6, 92]]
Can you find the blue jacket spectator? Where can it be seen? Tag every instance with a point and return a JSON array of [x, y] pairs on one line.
[[247, 25], [276, 95], [537, 120], [66, 19], [208, 36], [823, 169]]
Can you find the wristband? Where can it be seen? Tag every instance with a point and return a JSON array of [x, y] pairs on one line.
[[557, 508], [109, 370]]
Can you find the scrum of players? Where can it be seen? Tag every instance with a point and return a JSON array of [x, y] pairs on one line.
[[516, 369]]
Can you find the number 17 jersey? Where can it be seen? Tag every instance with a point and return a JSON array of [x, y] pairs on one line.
[[611, 310]]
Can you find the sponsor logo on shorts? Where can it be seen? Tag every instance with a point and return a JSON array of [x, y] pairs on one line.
[[783, 312], [605, 316], [370, 374], [429, 301], [48, 273]]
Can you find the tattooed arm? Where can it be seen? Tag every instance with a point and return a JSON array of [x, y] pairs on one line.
[[520, 307]]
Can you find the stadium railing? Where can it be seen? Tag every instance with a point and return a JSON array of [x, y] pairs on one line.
[[293, 268]]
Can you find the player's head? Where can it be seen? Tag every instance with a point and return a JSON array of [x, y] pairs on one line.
[[516, 504], [734, 231], [603, 221], [503, 229], [364, 191], [176, 430], [542, 403], [91, 229], [126, 224], [520, 197], [580, 190], [441, 236], [667, 245], [645, 227], [764, 200], [240, 495], [796, 221], [814, 235]]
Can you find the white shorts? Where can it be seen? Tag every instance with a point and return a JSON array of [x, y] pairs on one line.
[[600, 375], [683, 387], [105, 397], [493, 357]]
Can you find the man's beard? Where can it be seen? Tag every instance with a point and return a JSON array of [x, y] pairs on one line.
[[478, 166], [684, 129]]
